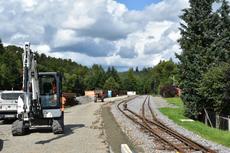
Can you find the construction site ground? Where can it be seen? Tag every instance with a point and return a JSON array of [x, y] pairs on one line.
[[84, 133]]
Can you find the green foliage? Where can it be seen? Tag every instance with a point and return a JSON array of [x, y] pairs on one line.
[[213, 88], [72, 71], [10, 68], [164, 74], [150, 80], [78, 78], [112, 72], [204, 43], [79, 86], [95, 78], [111, 84], [130, 82]]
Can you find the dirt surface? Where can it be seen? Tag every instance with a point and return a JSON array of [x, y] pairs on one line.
[[114, 135], [83, 134]]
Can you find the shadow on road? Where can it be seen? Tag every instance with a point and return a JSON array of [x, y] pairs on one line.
[[69, 129], [40, 130]]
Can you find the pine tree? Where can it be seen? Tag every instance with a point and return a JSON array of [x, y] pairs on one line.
[[112, 72], [220, 48], [96, 78], [195, 41], [111, 84], [217, 56], [130, 83]]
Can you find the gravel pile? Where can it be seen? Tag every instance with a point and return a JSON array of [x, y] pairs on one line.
[[88, 99], [84, 99], [158, 102]]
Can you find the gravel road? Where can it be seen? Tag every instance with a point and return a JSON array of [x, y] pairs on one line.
[[83, 134]]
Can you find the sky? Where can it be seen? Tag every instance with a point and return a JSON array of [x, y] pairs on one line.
[[137, 4], [120, 33]]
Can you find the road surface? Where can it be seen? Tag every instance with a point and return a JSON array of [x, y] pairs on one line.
[[83, 134]]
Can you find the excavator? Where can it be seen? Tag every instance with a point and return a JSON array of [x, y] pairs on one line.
[[40, 103]]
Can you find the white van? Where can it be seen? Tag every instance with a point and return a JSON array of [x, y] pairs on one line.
[[8, 104]]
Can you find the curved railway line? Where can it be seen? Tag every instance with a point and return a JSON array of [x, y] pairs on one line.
[[170, 139]]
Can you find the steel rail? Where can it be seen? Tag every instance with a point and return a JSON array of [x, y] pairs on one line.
[[155, 132]]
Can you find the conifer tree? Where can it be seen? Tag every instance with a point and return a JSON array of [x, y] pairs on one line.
[[220, 48], [195, 41]]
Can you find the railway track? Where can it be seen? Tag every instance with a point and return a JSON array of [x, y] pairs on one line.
[[169, 139]]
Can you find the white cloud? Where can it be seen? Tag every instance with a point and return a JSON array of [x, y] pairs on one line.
[[44, 48], [64, 37], [28, 5], [99, 31]]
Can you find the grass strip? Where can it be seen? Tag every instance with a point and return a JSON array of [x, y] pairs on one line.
[[176, 114]]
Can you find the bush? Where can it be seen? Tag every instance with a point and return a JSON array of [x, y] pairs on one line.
[[168, 91], [214, 88]]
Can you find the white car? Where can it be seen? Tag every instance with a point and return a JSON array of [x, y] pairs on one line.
[[8, 104]]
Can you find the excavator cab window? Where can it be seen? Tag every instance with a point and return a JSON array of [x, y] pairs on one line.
[[49, 91]]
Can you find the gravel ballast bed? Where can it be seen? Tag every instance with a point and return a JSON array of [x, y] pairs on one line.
[[157, 103], [142, 139], [133, 131]]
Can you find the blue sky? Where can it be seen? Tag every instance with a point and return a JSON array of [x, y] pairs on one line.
[[137, 4]]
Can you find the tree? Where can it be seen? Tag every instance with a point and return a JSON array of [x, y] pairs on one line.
[[95, 78], [130, 83], [112, 72], [11, 69], [137, 70], [221, 46], [197, 36], [111, 84], [79, 87], [164, 74], [226, 100], [214, 88]]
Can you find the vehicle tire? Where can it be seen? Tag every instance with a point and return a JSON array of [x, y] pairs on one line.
[[58, 126], [18, 128]]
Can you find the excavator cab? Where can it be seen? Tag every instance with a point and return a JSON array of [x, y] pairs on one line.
[[50, 86], [50, 93]]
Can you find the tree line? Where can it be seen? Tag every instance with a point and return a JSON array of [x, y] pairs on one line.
[[78, 78]]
